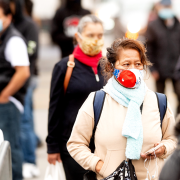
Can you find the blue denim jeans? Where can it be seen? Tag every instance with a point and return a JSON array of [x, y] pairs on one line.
[[10, 125], [27, 136]]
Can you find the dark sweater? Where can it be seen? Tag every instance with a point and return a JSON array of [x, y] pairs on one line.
[[63, 109]]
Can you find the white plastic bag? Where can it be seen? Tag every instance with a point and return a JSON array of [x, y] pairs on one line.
[[1, 137], [55, 172]]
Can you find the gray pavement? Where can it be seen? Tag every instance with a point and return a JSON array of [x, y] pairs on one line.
[[49, 55]]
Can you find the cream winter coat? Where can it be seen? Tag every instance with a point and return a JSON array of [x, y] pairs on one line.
[[109, 142]]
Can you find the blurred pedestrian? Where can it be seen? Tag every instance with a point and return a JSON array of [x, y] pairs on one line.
[[124, 129], [28, 7], [29, 140], [66, 101], [153, 15], [163, 47], [14, 71], [172, 165], [64, 25]]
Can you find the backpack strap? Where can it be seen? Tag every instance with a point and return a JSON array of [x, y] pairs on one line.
[[141, 108], [162, 105], [69, 71], [97, 106]]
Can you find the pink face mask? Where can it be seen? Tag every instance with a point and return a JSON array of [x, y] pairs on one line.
[[130, 78]]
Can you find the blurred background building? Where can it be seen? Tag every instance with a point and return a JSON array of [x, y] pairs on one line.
[[120, 17]]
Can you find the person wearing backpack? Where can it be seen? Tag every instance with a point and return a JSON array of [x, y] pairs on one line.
[[73, 79], [124, 120]]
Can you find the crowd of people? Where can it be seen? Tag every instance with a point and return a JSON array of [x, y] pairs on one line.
[[130, 119], [103, 121]]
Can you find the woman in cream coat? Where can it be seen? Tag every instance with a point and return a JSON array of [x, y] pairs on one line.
[[119, 136]]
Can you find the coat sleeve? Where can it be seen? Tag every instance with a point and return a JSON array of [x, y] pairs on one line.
[[55, 106], [78, 144], [151, 47], [168, 138]]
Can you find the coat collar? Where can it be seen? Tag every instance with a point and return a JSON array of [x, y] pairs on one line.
[[162, 21]]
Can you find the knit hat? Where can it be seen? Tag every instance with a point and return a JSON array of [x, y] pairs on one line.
[[166, 2]]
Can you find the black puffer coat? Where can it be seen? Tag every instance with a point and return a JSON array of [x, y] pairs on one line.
[[163, 46]]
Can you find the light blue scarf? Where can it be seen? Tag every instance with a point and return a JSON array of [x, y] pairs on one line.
[[132, 128]]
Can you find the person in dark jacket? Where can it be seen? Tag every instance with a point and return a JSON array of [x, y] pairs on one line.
[[163, 47], [29, 30], [63, 108], [64, 25], [171, 168], [28, 7], [14, 71]]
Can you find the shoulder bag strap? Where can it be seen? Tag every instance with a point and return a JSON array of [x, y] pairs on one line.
[[162, 104], [69, 70], [97, 106]]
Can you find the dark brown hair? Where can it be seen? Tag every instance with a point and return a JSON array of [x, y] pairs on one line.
[[6, 7], [112, 55]]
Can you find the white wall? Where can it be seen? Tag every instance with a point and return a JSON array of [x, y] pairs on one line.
[[45, 9]]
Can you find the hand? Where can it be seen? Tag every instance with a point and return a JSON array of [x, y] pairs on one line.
[[99, 166], [155, 75], [159, 152], [4, 99], [52, 158]]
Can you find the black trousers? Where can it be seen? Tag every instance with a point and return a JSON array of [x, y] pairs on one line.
[[160, 84], [72, 169]]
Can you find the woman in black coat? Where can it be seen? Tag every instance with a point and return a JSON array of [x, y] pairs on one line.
[[63, 108]]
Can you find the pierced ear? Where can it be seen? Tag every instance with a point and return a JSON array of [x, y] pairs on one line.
[[75, 35]]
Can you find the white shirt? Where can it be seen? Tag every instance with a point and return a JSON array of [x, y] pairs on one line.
[[16, 53]]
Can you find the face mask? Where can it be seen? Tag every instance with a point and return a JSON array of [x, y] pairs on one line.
[[1, 25], [91, 46], [166, 14], [130, 78]]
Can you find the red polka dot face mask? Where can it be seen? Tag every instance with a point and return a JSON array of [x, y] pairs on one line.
[[130, 78]]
